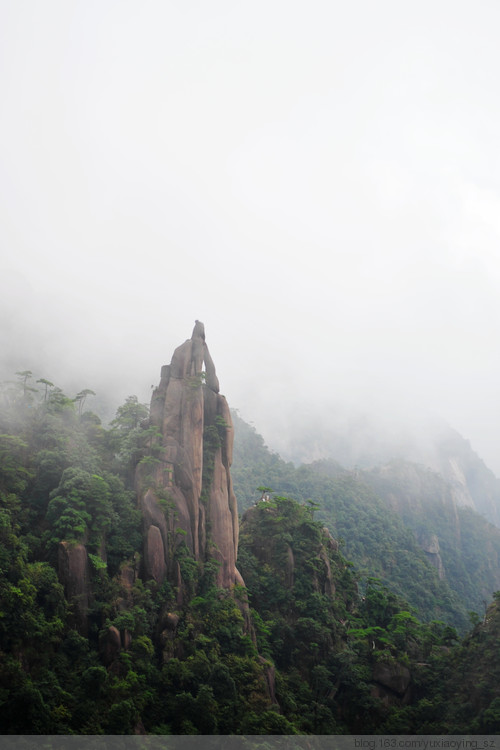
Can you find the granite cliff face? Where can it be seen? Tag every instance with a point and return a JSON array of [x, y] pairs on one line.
[[473, 484], [184, 486]]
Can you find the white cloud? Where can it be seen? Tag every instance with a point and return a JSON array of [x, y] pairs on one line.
[[318, 183]]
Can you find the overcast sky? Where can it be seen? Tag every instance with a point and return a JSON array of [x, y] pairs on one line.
[[319, 182]]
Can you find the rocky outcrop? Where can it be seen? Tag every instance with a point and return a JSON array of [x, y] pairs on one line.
[[110, 645], [472, 483], [328, 585], [270, 677], [154, 554], [392, 682], [167, 638], [111, 642], [185, 487], [430, 544], [411, 489], [74, 574]]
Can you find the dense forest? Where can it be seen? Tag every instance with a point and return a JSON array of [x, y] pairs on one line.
[[344, 624], [387, 519]]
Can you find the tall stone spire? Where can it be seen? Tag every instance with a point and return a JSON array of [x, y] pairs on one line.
[[185, 490]]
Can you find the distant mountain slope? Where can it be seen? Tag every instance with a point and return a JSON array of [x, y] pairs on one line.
[[358, 440], [399, 523], [463, 547], [473, 484]]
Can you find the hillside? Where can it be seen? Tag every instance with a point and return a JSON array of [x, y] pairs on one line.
[[398, 521], [363, 440], [131, 602], [90, 642]]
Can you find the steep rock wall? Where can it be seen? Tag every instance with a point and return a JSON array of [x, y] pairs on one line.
[[184, 486]]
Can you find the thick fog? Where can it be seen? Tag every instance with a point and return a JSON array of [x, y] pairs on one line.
[[318, 182]]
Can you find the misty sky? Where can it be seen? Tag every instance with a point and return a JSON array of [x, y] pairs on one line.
[[318, 182]]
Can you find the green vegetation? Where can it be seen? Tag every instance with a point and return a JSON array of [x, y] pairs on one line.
[[384, 517], [345, 663], [185, 660], [469, 546], [343, 627]]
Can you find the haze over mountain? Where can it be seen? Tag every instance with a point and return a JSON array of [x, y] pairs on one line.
[[318, 183], [356, 439], [136, 600]]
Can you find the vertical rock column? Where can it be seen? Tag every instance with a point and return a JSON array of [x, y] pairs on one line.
[[74, 574], [186, 492]]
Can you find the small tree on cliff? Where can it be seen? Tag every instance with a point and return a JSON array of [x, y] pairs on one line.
[[81, 397], [24, 376], [47, 385]]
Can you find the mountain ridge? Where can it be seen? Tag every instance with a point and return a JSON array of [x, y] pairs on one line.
[[384, 515], [360, 440]]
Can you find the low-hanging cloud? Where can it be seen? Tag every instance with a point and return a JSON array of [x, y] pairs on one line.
[[319, 186]]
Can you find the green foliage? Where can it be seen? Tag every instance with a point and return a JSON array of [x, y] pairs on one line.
[[128, 440], [81, 397], [296, 651], [97, 562], [80, 508], [377, 540], [467, 542], [291, 570], [14, 476]]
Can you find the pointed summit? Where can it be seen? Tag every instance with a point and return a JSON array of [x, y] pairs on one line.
[[186, 492], [198, 330]]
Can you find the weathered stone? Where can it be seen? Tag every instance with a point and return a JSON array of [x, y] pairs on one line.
[[390, 698], [430, 544], [152, 513], [170, 621], [329, 585], [222, 524], [331, 543], [392, 675], [110, 645], [74, 574], [270, 676], [211, 378], [289, 567], [154, 555], [195, 453], [127, 577], [224, 416], [180, 585]]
